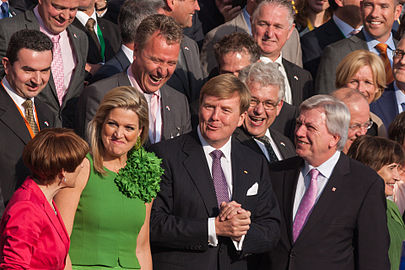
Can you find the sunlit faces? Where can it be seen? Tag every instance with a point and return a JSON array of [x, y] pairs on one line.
[[318, 6], [390, 174], [399, 64], [363, 81], [313, 141], [379, 16], [271, 29], [120, 132], [183, 11], [263, 109], [219, 118], [57, 14], [359, 115], [234, 62], [155, 63], [30, 73]]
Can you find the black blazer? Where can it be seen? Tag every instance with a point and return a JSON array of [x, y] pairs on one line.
[[347, 228], [14, 135], [284, 145], [386, 106], [180, 212], [300, 81], [313, 43], [112, 39], [285, 121]]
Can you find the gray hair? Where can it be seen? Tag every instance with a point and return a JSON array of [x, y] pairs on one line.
[[337, 115], [282, 3], [264, 74], [132, 13]]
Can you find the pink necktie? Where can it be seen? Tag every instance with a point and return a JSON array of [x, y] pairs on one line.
[[57, 68], [154, 105], [307, 202]]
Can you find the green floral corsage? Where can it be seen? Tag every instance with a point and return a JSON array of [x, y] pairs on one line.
[[140, 178]]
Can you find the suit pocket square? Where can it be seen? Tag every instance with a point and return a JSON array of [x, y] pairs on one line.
[[253, 190]]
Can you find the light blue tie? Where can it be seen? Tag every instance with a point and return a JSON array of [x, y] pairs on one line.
[[4, 10], [403, 106]]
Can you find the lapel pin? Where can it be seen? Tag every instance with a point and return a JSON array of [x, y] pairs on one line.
[[168, 108], [333, 189], [186, 48], [46, 123], [282, 143], [75, 35], [296, 78], [245, 172]]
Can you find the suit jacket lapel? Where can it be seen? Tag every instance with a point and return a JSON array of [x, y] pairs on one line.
[[11, 117], [197, 167], [294, 81]]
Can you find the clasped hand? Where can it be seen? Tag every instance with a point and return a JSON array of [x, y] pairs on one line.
[[233, 221]]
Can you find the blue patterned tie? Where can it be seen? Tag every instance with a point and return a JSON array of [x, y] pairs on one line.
[[4, 10], [221, 187]]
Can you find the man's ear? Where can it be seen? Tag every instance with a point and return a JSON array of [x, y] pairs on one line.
[[6, 64]]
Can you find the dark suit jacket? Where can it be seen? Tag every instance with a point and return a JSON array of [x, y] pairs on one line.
[[284, 145], [180, 212], [175, 109], [14, 135], [347, 228], [300, 82], [315, 41], [22, 5], [331, 57], [29, 230], [65, 113], [285, 121], [386, 106], [112, 39], [118, 63]]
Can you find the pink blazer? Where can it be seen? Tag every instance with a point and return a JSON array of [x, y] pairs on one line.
[[32, 236]]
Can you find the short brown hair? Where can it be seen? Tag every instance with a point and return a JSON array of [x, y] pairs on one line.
[[376, 152], [396, 130], [166, 26], [225, 86], [53, 150], [125, 97], [351, 64]]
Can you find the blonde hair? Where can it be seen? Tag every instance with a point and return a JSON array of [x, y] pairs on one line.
[[125, 97]]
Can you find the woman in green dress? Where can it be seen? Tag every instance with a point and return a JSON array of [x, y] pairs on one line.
[[385, 157], [108, 229]]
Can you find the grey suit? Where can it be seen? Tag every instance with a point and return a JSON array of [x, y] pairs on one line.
[[65, 112], [331, 57], [291, 49], [175, 109]]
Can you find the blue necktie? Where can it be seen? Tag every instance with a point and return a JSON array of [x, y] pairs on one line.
[[4, 10], [403, 106]]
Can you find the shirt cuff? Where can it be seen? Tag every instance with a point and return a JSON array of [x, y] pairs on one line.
[[212, 235], [238, 245]]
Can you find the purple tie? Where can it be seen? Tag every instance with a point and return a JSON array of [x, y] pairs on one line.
[[307, 202], [221, 187]]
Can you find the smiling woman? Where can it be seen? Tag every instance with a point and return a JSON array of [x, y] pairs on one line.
[[102, 220]]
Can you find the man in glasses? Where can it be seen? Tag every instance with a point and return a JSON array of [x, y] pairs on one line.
[[360, 121], [266, 85], [392, 101]]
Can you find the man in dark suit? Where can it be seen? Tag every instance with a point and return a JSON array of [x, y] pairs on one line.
[[131, 15], [102, 35], [345, 22], [392, 101], [266, 85], [155, 56], [22, 5], [272, 25], [67, 79], [377, 25], [28, 50], [216, 205], [333, 208]]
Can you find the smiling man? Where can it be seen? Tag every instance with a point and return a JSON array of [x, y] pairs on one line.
[[156, 50], [266, 85], [54, 18], [28, 66], [333, 208], [378, 17], [215, 207]]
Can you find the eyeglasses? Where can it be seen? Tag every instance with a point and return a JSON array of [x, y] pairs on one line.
[[399, 53], [267, 104], [366, 125]]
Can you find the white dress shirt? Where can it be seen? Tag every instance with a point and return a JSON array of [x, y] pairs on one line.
[[18, 100], [273, 145]]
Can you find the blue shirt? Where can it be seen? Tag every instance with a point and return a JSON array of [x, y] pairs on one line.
[[371, 43]]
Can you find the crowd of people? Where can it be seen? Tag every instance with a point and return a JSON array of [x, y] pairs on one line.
[[202, 134]]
